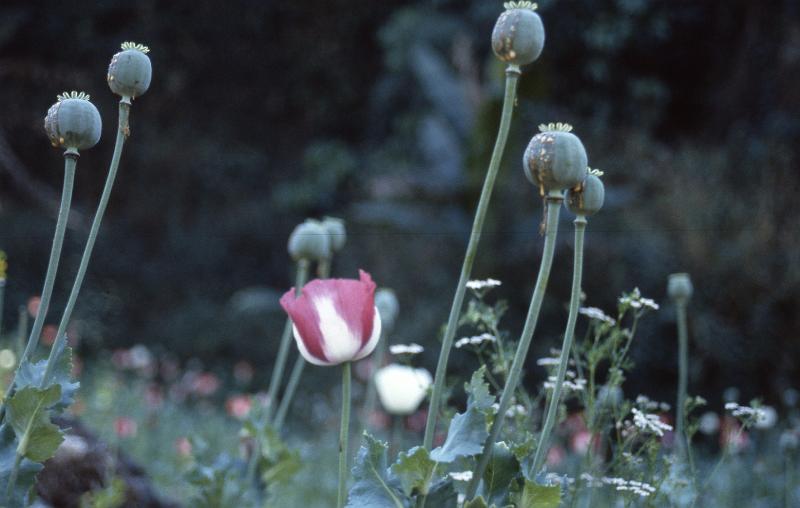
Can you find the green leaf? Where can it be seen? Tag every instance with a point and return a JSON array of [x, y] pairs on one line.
[[443, 495], [478, 502], [372, 486], [26, 476], [500, 471], [28, 416], [468, 431], [539, 496], [278, 463], [31, 374], [414, 469]]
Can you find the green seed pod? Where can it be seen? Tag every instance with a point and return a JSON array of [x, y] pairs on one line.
[[130, 71], [388, 307], [518, 35], [310, 241], [555, 158], [587, 198], [679, 287], [337, 232], [73, 122]]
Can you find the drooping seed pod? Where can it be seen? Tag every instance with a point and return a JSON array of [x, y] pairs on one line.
[[387, 304], [555, 158], [310, 241], [679, 287], [518, 36], [73, 122], [130, 71], [337, 232], [587, 198]]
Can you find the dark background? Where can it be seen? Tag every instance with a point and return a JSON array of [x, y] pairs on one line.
[[385, 113]]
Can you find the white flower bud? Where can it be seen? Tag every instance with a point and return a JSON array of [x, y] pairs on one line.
[[401, 389]]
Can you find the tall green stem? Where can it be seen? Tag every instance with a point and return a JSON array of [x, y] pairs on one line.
[[512, 77], [553, 206], [22, 329], [123, 131], [70, 163], [683, 378], [2, 302], [286, 341], [569, 334], [344, 434]]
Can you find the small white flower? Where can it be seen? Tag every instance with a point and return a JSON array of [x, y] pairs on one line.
[[406, 349], [767, 418], [548, 362], [637, 301], [597, 314], [477, 285], [650, 423], [462, 476], [475, 341]]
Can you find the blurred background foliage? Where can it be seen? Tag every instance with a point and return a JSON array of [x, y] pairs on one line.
[[384, 113]]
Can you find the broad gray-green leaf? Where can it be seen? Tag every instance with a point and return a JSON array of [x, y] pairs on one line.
[[31, 374], [465, 437], [500, 471], [373, 488], [442, 495], [539, 496], [478, 390], [29, 417], [26, 475], [478, 502], [414, 470]]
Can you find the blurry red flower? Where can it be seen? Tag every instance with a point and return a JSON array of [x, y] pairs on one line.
[[125, 427], [183, 447], [49, 335], [33, 306], [239, 406], [205, 384], [556, 455]]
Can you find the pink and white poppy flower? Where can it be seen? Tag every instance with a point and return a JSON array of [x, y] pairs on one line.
[[334, 320]]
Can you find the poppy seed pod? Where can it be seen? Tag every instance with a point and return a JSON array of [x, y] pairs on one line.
[[518, 35], [679, 287], [386, 302], [73, 122], [310, 241], [555, 158], [130, 71], [401, 388], [337, 232], [334, 320], [587, 198]]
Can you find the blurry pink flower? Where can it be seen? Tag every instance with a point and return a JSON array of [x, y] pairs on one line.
[[243, 372], [582, 440], [125, 427], [183, 447], [334, 320], [239, 406], [732, 435], [33, 306], [378, 420], [556, 455], [205, 384], [49, 335]]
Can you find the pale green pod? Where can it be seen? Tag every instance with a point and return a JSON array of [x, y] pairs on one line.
[[587, 198], [73, 122], [388, 307], [555, 159], [679, 287], [518, 36], [310, 241], [337, 232], [130, 71]]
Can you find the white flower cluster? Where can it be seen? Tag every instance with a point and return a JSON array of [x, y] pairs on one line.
[[597, 314], [462, 476], [557, 479], [477, 285], [515, 410], [641, 488], [571, 382], [644, 402], [406, 349], [762, 417], [476, 340], [650, 423], [548, 361], [637, 301]]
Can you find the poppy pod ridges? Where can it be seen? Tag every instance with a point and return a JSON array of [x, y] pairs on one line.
[[518, 36], [73, 122], [587, 197], [334, 321], [130, 71], [555, 158]]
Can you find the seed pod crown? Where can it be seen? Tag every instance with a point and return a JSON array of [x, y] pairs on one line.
[[73, 122], [130, 70], [555, 158], [518, 36], [587, 197]]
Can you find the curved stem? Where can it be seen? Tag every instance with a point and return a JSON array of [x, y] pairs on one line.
[[683, 378], [61, 335], [286, 341], [553, 207], [344, 434], [569, 334], [512, 77], [70, 163]]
